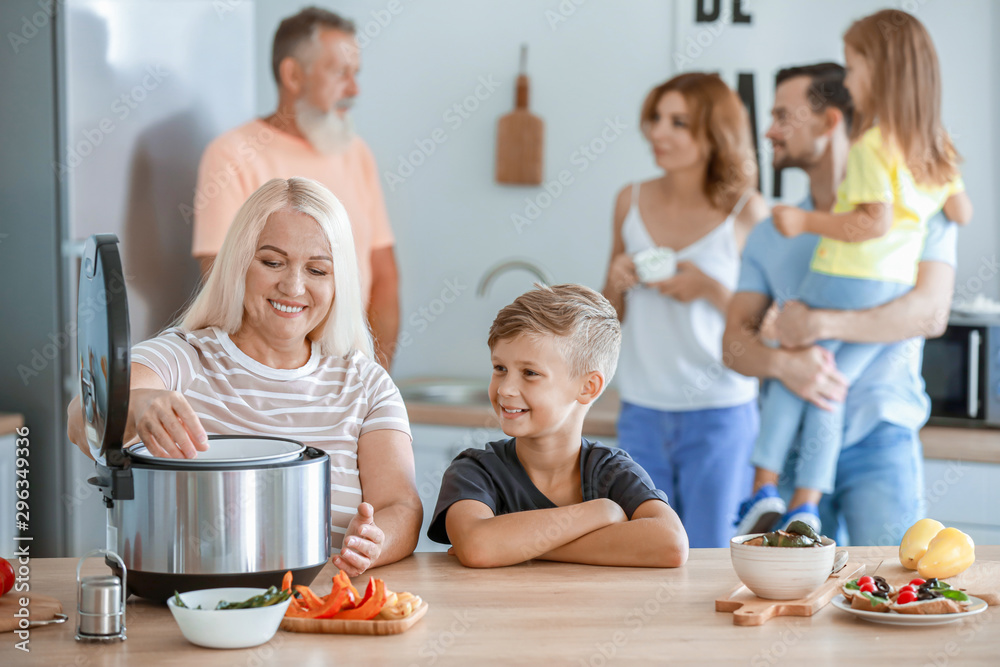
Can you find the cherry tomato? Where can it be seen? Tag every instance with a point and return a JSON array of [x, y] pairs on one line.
[[908, 587], [867, 587], [6, 576], [917, 582], [865, 580], [906, 597]]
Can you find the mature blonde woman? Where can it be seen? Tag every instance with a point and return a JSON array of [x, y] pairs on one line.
[[687, 419], [276, 343]]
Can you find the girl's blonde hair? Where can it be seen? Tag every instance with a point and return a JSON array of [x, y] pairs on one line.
[[905, 93], [718, 120], [220, 301]]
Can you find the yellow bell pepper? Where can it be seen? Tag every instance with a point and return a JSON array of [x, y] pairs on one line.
[[915, 541], [949, 553]]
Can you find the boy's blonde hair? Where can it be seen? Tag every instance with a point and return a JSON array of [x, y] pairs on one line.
[[220, 301], [905, 93], [583, 319]]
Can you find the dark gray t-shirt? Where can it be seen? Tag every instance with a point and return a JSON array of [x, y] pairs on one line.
[[495, 477]]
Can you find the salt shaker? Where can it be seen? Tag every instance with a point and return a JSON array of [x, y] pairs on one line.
[[100, 602]]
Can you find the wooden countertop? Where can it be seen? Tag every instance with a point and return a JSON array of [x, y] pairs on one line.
[[948, 443], [537, 613], [10, 422]]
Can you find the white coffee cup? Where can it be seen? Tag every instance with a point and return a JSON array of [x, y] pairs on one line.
[[655, 264]]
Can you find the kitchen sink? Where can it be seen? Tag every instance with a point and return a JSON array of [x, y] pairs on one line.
[[447, 391]]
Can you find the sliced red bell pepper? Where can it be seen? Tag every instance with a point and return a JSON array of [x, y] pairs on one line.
[[286, 581], [310, 599], [371, 605], [296, 610], [334, 603], [341, 580]]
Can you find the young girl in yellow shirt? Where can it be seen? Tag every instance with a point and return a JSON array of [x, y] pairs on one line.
[[902, 169]]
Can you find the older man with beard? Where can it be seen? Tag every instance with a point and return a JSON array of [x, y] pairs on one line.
[[315, 61]]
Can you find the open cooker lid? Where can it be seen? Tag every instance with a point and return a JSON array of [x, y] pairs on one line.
[[103, 349], [103, 346]]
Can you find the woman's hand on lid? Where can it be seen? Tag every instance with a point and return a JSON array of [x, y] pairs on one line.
[[621, 274], [362, 543], [166, 424]]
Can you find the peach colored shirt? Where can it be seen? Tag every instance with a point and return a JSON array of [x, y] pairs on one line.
[[235, 164]]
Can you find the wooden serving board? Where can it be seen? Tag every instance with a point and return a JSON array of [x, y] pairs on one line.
[[748, 609], [41, 607], [334, 627]]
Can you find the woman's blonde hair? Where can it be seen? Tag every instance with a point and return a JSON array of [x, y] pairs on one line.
[[905, 93], [718, 120], [220, 301]]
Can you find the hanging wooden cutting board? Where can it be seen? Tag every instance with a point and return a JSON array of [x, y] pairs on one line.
[[520, 138]]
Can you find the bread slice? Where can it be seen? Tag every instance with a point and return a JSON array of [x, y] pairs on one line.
[[934, 606], [862, 602]]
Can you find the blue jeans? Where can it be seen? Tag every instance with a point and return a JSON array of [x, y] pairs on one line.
[[783, 412], [699, 458], [879, 489]]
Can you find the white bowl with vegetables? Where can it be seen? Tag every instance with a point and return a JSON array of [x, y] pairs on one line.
[[250, 616], [783, 572]]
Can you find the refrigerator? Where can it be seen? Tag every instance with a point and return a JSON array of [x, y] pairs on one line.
[[130, 94]]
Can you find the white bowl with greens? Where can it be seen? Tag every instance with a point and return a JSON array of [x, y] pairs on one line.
[[252, 625], [783, 565]]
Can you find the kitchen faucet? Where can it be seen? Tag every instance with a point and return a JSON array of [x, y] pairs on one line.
[[509, 265]]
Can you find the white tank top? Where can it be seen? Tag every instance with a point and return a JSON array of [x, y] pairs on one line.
[[671, 356]]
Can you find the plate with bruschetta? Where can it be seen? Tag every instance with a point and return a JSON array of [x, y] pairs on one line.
[[890, 617]]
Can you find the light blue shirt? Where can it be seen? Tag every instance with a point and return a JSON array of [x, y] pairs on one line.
[[891, 389]]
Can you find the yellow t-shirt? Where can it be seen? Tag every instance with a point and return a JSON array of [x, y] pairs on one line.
[[877, 172]]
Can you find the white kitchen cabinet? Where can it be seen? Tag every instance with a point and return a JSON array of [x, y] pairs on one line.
[[965, 495]]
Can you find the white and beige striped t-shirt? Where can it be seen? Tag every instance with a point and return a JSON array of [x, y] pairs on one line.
[[328, 403]]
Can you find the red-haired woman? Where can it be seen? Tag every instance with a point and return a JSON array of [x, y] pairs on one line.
[[686, 418]]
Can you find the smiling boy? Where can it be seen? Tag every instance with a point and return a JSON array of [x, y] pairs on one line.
[[546, 492]]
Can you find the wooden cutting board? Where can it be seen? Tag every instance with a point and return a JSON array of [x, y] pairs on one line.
[[41, 607], [334, 627], [748, 609], [520, 139]]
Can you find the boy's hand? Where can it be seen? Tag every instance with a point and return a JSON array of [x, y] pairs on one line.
[[789, 220], [615, 513]]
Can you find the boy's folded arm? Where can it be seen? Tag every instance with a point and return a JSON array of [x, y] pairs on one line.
[[654, 537], [866, 222], [481, 539]]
